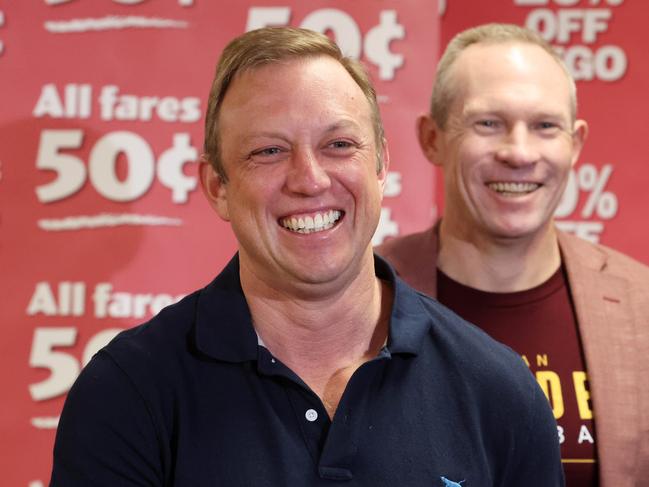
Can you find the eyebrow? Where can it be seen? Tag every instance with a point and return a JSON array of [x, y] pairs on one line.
[[472, 113], [268, 134], [338, 125], [342, 124]]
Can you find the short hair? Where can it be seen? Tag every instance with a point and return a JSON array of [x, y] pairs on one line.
[[269, 45], [494, 33]]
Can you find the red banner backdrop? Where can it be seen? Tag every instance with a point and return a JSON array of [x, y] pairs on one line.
[[102, 221], [606, 199]]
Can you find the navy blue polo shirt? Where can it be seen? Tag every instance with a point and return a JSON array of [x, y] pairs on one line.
[[192, 399]]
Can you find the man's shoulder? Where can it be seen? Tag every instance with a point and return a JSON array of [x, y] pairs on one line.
[[484, 382], [414, 257], [478, 365], [603, 258], [173, 321], [625, 265], [468, 346], [157, 344], [405, 246]]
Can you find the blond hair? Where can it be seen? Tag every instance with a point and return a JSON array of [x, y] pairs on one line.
[[443, 90], [270, 45]]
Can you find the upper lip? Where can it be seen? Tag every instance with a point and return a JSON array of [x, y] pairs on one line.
[[511, 180], [508, 181]]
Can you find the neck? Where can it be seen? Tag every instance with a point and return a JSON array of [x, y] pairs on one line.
[[321, 336], [498, 265]]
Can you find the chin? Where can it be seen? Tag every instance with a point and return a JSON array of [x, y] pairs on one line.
[[318, 274], [516, 229]]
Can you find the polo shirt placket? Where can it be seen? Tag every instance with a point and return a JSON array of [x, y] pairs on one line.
[[332, 444]]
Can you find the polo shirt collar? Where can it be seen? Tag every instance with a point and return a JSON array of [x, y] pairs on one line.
[[224, 328], [410, 322]]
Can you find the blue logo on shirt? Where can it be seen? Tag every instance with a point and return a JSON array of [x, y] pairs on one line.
[[450, 483]]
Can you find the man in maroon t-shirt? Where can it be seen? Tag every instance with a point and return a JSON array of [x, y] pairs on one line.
[[503, 129]]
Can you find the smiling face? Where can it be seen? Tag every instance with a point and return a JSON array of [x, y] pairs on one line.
[[509, 142], [303, 194]]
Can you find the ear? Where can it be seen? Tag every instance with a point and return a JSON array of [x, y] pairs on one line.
[[579, 134], [428, 135], [385, 165], [214, 189]]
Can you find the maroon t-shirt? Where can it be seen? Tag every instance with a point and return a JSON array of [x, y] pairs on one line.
[[540, 325]]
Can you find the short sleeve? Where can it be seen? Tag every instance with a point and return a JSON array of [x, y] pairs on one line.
[[537, 458], [106, 436]]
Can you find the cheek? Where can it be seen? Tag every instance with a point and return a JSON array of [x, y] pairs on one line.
[[240, 201], [560, 158], [466, 167], [355, 177]]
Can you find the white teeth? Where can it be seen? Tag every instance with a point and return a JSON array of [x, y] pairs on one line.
[[310, 224], [513, 189]]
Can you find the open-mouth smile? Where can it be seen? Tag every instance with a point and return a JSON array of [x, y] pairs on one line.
[[316, 222]]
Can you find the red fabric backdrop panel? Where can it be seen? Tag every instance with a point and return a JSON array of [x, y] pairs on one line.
[[102, 222]]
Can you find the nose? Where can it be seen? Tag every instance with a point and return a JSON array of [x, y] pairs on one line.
[[518, 147], [306, 175]]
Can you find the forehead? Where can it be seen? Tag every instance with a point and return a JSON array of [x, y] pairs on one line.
[[297, 90], [510, 75]]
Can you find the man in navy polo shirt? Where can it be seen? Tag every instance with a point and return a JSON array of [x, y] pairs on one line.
[[306, 362]]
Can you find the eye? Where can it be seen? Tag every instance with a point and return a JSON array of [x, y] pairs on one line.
[[269, 154], [546, 125], [267, 151], [487, 126], [488, 123], [547, 128], [341, 144], [340, 148]]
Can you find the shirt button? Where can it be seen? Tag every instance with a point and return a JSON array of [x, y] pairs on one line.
[[311, 415], [272, 361]]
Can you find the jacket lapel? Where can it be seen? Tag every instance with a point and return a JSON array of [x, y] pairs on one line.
[[606, 330]]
